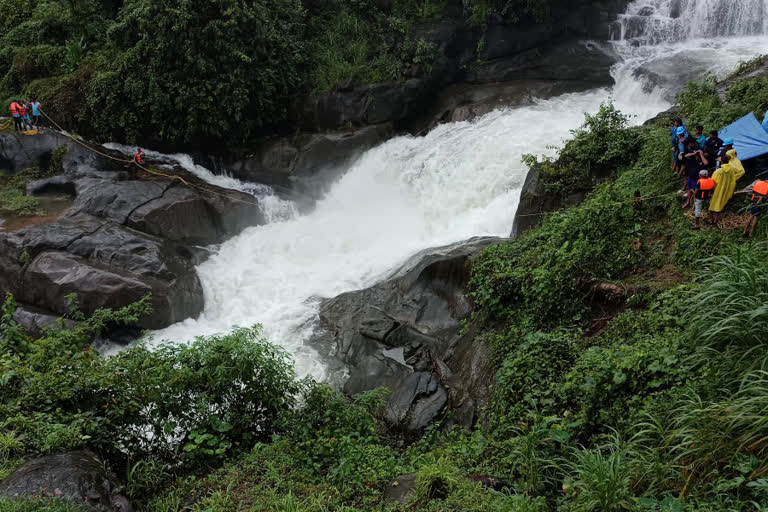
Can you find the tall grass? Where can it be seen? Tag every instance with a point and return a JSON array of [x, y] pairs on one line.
[[730, 310]]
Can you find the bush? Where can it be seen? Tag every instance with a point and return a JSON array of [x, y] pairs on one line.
[[336, 436], [530, 376], [198, 403]]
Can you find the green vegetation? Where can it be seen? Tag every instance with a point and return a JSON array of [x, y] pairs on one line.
[[13, 198], [211, 71], [632, 376]]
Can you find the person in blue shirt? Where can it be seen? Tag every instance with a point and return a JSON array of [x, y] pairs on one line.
[[677, 126], [36, 114], [679, 150], [701, 139]]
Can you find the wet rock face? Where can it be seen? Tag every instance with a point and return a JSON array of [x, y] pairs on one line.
[[307, 164], [19, 152], [403, 334], [123, 237], [79, 477]]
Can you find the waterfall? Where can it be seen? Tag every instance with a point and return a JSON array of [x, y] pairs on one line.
[[651, 22], [460, 180]]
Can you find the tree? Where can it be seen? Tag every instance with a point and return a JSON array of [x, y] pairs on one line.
[[196, 69]]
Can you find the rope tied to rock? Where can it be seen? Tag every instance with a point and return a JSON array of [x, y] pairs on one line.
[[172, 177]]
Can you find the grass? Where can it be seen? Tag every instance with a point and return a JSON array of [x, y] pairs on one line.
[[41, 505], [15, 203]]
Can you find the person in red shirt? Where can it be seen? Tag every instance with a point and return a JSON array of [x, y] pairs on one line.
[[140, 158], [15, 109]]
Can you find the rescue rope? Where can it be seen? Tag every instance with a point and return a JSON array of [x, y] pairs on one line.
[[172, 177]]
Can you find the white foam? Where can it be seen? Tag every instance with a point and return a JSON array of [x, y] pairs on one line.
[[408, 194]]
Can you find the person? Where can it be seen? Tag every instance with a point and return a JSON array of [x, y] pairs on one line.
[[677, 124], [727, 146], [140, 158], [25, 117], [36, 113], [712, 148], [725, 178], [695, 161], [759, 195], [705, 187], [701, 139], [738, 167], [15, 109], [682, 136]]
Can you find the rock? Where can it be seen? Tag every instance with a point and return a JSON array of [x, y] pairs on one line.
[[465, 102], [195, 214], [472, 383], [396, 333], [365, 105], [36, 321], [52, 276], [584, 65], [502, 40], [125, 235], [77, 476], [491, 482], [535, 203], [135, 252], [376, 324], [401, 490], [17, 152], [307, 164], [416, 401], [105, 264], [56, 184]]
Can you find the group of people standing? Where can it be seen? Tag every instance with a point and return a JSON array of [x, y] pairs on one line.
[[710, 168], [20, 114]]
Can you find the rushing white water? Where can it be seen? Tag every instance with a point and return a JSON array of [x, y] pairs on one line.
[[460, 180]]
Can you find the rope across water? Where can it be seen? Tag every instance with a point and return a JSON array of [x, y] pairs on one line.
[[172, 177]]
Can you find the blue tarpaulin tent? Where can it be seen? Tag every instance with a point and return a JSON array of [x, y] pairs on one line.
[[750, 139]]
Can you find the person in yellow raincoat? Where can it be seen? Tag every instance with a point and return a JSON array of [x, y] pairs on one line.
[[725, 177]]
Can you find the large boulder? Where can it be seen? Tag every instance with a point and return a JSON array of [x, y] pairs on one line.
[[581, 65], [401, 333], [535, 202], [79, 477], [307, 164], [17, 152], [365, 105]]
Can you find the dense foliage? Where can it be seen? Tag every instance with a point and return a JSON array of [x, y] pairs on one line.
[[218, 72], [191, 403]]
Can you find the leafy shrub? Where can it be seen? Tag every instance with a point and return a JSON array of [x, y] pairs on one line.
[[200, 402], [700, 103], [530, 376], [337, 436], [602, 144], [606, 384], [18, 204]]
